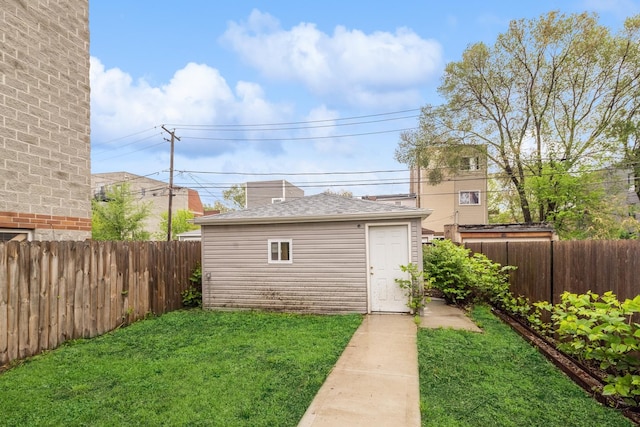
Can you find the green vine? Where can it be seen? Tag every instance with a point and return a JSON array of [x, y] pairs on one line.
[[414, 287], [192, 296]]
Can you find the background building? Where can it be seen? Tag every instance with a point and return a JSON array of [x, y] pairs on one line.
[[394, 199], [260, 193], [152, 192], [45, 166], [460, 198]]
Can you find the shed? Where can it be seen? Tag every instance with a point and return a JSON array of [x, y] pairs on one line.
[[470, 233], [319, 254]]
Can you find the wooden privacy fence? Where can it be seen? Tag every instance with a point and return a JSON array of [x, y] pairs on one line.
[[51, 292], [547, 269]]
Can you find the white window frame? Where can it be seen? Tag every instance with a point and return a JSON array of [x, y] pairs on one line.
[[279, 242], [28, 234], [460, 201]]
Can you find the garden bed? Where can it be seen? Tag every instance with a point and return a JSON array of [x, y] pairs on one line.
[[589, 378], [497, 378]]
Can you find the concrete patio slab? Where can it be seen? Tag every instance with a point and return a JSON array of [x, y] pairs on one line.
[[438, 314], [375, 381]]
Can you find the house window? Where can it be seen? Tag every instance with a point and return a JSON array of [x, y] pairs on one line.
[[470, 163], [469, 197], [280, 251], [15, 235], [277, 200]]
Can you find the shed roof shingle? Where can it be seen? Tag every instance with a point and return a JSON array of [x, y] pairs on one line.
[[319, 207]]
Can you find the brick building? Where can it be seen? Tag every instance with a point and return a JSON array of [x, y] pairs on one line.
[[45, 169]]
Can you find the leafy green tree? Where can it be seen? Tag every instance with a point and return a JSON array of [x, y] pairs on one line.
[[120, 216], [181, 221], [574, 200], [502, 203], [542, 97], [217, 206], [343, 193], [235, 196]]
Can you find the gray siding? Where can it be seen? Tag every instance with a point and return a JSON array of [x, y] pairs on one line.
[[328, 273], [416, 242]]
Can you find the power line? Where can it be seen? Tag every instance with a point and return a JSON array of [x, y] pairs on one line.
[[233, 128], [337, 122], [295, 173], [134, 151], [177, 125], [301, 138], [128, 136]]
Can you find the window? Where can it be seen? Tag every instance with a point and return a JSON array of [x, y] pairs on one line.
[[469, 197], [470, 163], [280, 251], [100, 194], [277, 200], [14, 234]]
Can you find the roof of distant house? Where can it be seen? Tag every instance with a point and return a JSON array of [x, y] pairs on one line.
[[316, 208], [492, 228], [390, 196]]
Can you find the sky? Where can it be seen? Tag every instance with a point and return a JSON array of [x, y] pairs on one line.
[[316, 93]]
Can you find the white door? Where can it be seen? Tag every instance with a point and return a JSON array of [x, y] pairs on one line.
[[388, 250]]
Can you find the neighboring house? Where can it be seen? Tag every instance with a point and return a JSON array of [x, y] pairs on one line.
[[45, 165], [260, 193], [460, 198], [500, 233], [149, 191], [196, 235], [323, 253], [621, 183], [190, 236], [394, 199], [428, 236]]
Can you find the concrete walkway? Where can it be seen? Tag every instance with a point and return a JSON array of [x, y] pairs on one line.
[[437, 314], [375, 381]]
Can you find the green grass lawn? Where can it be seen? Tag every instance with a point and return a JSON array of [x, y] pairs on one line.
[[497, 379], [183, 368]]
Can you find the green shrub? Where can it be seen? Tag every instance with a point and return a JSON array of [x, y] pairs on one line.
[[447, 267], [600, 329], [192, 296], [464, 278]]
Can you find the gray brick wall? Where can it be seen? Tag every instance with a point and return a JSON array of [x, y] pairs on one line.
[[44, 113]]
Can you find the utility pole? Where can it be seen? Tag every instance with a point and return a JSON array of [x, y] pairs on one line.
[[172, 140]]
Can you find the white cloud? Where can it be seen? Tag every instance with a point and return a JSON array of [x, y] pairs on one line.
[[119, 105], [380, 68], [196, 95]]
